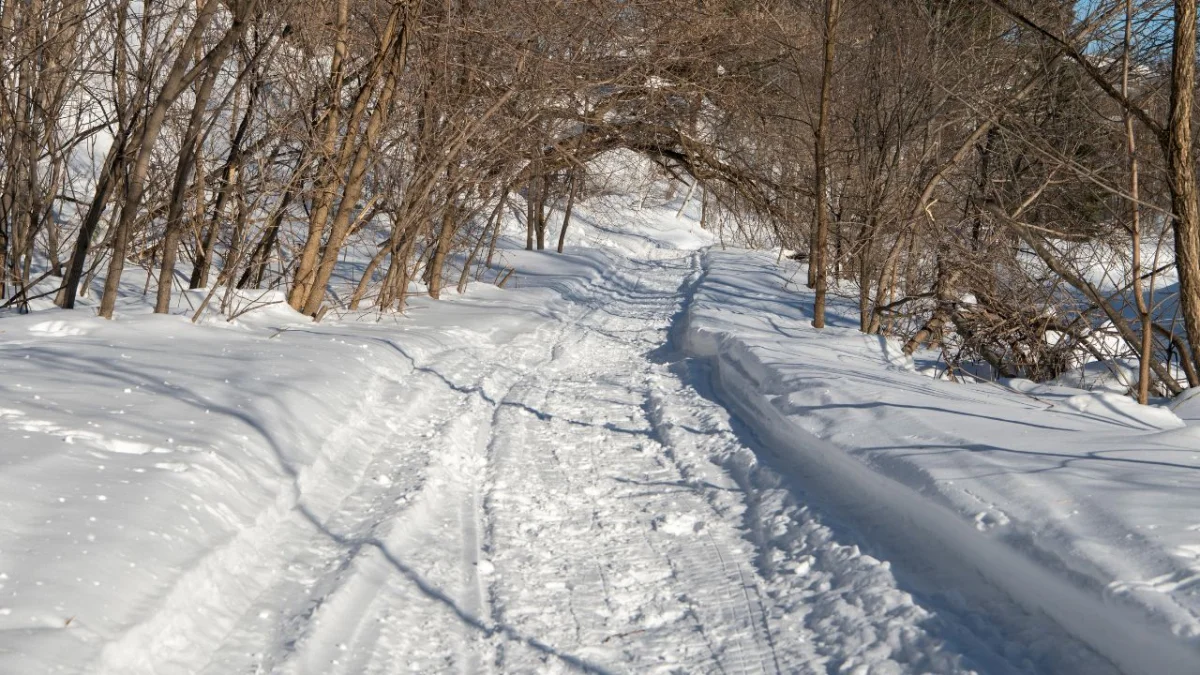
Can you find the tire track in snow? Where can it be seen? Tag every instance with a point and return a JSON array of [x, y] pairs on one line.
[[830, 607], [495, 449], [676, 441], [335, 558], [647, 585], [413, 600], [248, 605], [471, 515], [206, 600], [403, 598]]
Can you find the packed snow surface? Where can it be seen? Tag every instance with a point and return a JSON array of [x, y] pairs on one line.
[[636, 458]]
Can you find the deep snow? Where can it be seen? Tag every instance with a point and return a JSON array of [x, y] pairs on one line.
[[548, 478], [1077, 505]]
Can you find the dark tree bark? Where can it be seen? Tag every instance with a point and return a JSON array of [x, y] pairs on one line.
[[820, 241]]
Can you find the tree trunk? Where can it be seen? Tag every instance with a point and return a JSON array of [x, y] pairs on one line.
[[530, 218], [1181, 172], [820, 241], [572, 188], [357, 148], [444, 241], [83, 241], [540, 212], [1135, 225], [174, 225], [498, 228], [325, 186], [259, 258]]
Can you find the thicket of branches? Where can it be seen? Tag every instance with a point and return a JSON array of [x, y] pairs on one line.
[[962, 166]]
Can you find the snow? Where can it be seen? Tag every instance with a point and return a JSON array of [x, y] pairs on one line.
[[1077, 505], [636, 457]]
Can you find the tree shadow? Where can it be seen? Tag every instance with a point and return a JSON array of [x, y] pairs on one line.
[[124, 372]]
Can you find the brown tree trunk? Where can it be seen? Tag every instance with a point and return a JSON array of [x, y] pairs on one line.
[[820, 240], [530, 217], [325, 186], [497, 228], [261, 255], [493, 224], [572, 188], [353, 188], [231, 174], [540, 212], [866, 258], [87, 230], [356, 153], [1181, 171], [174, 224], [945, 293], [445, 240], [1135, 225]]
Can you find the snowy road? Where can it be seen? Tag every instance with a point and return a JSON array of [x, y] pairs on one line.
[[550, 494], [533, 507], [556, 500]]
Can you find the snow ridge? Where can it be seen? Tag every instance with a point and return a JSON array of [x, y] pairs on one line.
[[892, 512]]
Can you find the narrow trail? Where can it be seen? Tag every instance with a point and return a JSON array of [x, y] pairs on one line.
[[562, 500], [589, 515]]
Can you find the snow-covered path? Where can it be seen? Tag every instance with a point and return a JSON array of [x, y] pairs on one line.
[[514, 507], [589, 510], [532, 481], [507, 507], [556, 499]]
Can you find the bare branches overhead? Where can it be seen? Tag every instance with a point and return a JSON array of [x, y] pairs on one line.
[[912, 147]]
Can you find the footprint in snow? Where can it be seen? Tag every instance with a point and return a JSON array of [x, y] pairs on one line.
[[986, 520]]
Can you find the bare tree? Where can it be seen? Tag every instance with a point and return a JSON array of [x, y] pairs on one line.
[[820, 240]]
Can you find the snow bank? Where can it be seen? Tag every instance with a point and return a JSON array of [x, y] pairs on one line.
[[1080, 506], [142, 459]]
